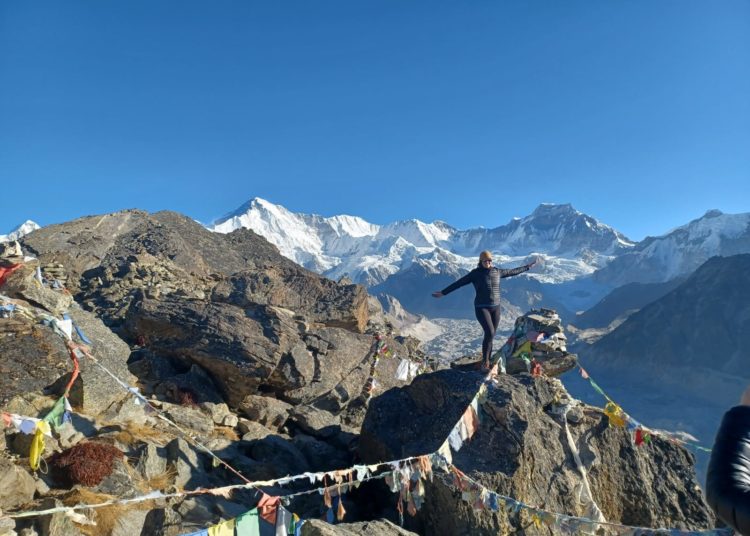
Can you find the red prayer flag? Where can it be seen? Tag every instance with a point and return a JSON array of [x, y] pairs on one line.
[[267, 507], [5, 271]]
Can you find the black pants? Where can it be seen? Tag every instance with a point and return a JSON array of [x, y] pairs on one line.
[[489, 318]]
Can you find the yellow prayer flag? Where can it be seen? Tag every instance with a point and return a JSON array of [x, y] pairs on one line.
[[37, 448], [616, 415], [524, 348], [222, 529]]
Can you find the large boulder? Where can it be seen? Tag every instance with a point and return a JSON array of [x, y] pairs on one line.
[[320, 299], [265, 410], [110, 257], [35, 357], [17, 487], [257, 322], [520, 450], [22, 284], [263, 349]]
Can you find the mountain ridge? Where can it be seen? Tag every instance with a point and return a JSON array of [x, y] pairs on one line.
[[369, 253]]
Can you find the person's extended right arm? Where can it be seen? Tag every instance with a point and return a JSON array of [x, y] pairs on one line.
[[728, 480], [465, 280]]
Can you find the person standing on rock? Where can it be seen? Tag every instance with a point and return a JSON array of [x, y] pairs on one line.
[[486, 280]]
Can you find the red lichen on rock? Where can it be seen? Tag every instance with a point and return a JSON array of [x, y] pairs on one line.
[[187, 397], [87, 463]]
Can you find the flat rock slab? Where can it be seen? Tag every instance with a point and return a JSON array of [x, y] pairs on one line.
[[316, 527]]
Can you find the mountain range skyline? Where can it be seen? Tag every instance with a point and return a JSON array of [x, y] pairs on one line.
[[11, 228], [582, 259]]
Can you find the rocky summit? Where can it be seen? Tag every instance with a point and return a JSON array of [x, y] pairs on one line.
[[202, 376], [521, 450]]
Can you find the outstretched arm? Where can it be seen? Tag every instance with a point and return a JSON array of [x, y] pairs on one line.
[[515, 271], [465, 280]]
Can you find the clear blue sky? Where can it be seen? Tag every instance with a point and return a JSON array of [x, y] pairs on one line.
[[636, 112]]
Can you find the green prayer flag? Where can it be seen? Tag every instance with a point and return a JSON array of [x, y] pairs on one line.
[[55, 416], [248, 524]]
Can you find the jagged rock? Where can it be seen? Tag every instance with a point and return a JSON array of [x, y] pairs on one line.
[[130, 410], [322, 300], [17, 486], [230, 420], [189, 471], [203, 510], [195, 384], [268, 411], [218, 444], [42, 488], [163, 522], [100, 390], [553, 364], [68, 435], [41, 362], [173, 255], [314, 421], [316, 527], [119, 483], [196, 510], [129, 523], [217, 411], [149, 366], [520, 450], [244, 349], [279, 456], [152, 461], [11, 251], [22, 284], [57, 524], [251, 430], [189, 417], [31, 363], [321, 456], [7, 528], [231, 304]]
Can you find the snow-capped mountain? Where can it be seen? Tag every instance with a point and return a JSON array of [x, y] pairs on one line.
[[22, 230], [571, 243], [680, 251]]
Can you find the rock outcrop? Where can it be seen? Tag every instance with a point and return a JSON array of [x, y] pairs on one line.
[[520, 450], [36, 360], [272, 368], [258, 323], [109, 258]]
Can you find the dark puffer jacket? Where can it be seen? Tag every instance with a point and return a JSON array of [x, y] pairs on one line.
[[486, 283], [728, 482]]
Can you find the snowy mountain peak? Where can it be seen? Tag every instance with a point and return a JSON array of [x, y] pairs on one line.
[[369, 253], [557, 229], [22, 230], [681, 250], [554, 208]]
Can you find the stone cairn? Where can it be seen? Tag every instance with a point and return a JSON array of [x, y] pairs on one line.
[[537, 345]]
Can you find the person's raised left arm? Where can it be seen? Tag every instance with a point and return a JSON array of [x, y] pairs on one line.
[[515, 271]]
